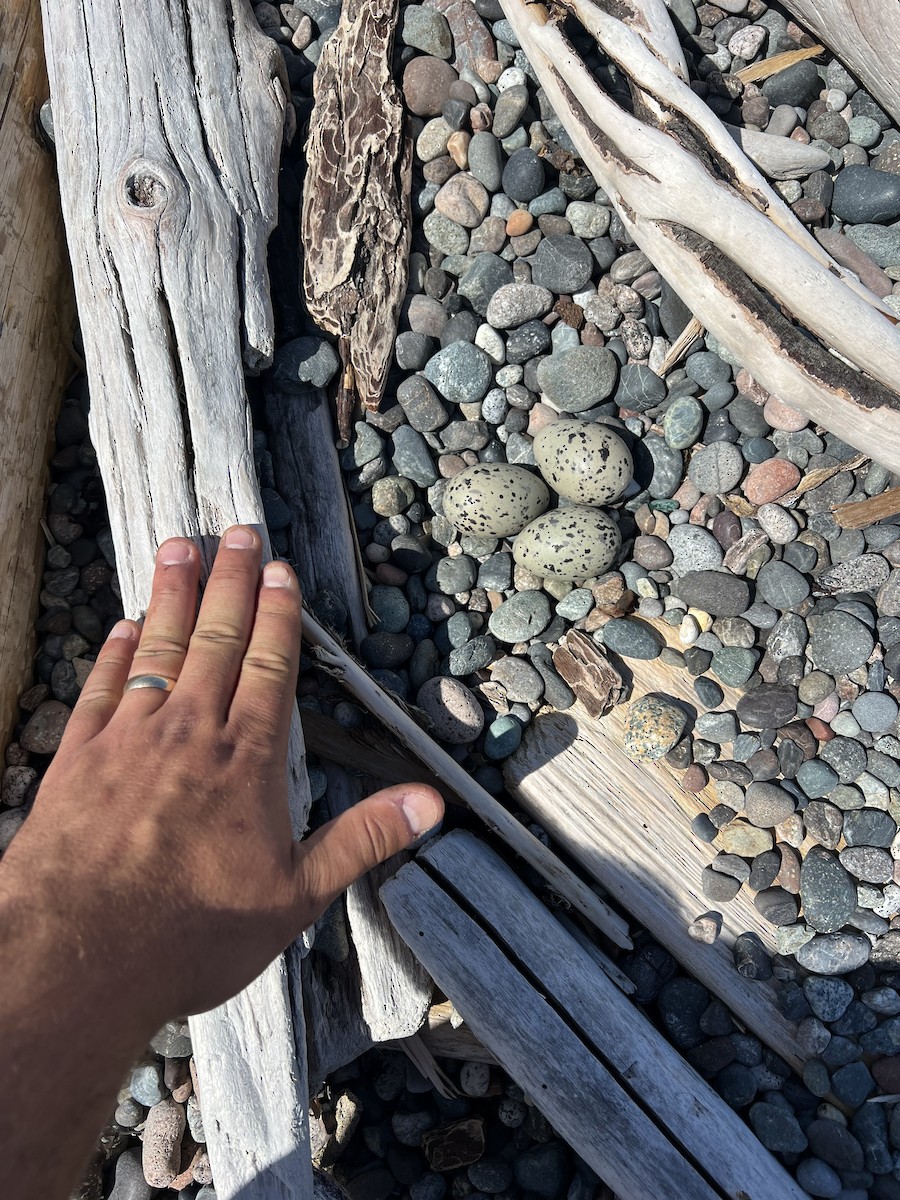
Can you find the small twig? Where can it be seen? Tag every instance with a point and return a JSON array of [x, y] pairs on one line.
[[778, 62], [678, 349], [866, 512]]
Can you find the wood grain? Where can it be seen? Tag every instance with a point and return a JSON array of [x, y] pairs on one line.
[[603, 1077], [683, 1104], [629, 826], [37, 312], [168, 121]]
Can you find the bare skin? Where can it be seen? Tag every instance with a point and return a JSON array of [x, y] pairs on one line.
[[157, 875]]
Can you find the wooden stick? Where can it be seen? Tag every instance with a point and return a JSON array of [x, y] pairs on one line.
[[654, 1117], [679, 347], [361, 685], [778, 62], [687, 225], [38, 312], [867, 512]]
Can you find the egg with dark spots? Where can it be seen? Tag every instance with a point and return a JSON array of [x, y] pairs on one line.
[[583, 461], [495, 499], [577, 542]]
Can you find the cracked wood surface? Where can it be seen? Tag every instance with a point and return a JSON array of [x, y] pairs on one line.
[[356, 222], [36, 317], [169, 121]]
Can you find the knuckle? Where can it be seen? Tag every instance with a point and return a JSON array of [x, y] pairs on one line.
[[268, 663], [218, 634], [160, 646], [377, 839]]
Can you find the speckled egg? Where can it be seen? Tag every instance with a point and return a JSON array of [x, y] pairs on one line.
[[576, 542], [494, 499], [583, 461]]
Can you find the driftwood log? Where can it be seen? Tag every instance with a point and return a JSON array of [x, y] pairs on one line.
[[716, 230], [628, 826], [36, 317], [168, 124], [865, 34], [356, 224], [562, 1030]]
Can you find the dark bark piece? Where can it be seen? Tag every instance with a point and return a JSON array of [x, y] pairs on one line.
[[590, 675], [356, 221]]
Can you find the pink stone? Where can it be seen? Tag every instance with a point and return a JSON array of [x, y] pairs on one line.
[[687, 495], [782, 416], [827, 709], [539, 416], [748, 387], [700, 510], [770, 480]]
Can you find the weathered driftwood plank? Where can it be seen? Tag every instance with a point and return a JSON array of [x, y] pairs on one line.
[[394, 991], [629, 826], [168, 124], [321, 545], [719, 234], [361, 685], [683, 1104], [865, 35], [37, 312], [356, 222], [627, 1081]]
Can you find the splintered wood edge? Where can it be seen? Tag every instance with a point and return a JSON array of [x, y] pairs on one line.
[[778, 62]]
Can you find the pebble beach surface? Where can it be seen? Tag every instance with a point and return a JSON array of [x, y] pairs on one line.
[[532, 471]]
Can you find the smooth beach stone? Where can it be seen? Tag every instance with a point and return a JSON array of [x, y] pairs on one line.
[[694, 549], [653, 725], [718, 593], [639, 388], [495, 499], [577, 542], [767, 805], [502, 738], [827, 891], [453, 710], [683, 422], [632, 639], [863, 194], [516, 303], [717, 469], [584, 462], [524, 616], [838, 642], [781, 585], [768, 706], [461, 372], [563, 264], [579, 378]]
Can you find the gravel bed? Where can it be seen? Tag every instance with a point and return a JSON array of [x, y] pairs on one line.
[[531, 472]]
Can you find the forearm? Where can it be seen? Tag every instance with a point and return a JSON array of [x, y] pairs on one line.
[[68, 1033]]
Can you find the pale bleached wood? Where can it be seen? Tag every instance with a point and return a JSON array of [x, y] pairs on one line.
[[168, 123], [537, 1046], [865, 35], [445, 1040], [36, 317], [628, 825], [684, 1104], [395, 992], [373, 697], [719, 239], [308, 477]]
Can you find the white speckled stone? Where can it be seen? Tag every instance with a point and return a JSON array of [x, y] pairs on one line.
[[569, 543], [583, 461], [495, 499]]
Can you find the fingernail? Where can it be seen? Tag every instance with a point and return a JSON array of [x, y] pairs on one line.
[[174, 552], [422, 812], [123, 629], [240, 538], [275, 574]]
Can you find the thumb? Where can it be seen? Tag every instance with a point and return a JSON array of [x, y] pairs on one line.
[[335, 856]]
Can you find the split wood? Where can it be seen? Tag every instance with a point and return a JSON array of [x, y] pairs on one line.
[[866, 512], [360, 684], [713, 226]]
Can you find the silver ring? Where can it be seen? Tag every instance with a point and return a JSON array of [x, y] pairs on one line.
[[162, 682]]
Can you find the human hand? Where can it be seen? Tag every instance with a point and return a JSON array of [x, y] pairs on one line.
[[160, 838]]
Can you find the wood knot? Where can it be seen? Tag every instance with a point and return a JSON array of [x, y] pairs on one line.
[[143, 189]]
